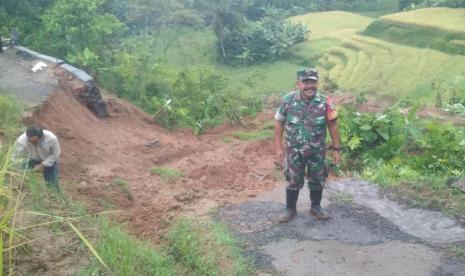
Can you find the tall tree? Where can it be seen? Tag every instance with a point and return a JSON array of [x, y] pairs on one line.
[[226, 16], [147, 15], [81, 24]]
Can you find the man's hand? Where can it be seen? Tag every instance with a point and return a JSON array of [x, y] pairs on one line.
[[279, 158], [38, 168], [336, 157], [334, 132]]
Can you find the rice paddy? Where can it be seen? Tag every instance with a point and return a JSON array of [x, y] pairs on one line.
[[367, 64], [447, 19]]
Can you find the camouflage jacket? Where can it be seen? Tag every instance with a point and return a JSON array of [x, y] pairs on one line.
[[305, 121]]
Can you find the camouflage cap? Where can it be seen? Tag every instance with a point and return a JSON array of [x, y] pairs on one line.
[[307, 74]]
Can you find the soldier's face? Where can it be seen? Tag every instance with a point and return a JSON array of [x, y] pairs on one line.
[[307, 87]]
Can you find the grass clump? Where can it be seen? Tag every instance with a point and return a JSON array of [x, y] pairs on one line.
[[208, 248], [123, 183], [166, 174], [126, 255], [10, 114], [458, 250]]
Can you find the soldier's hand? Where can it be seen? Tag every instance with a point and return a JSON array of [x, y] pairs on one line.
[[279, 158], [336, 157]]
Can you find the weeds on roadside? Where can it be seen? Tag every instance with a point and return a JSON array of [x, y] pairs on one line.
[[457, 250], [125, 255], [208, 248], [409, 155]]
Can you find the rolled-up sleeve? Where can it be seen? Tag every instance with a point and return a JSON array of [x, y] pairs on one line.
[[281, 113], [331, 113], [55, 152]]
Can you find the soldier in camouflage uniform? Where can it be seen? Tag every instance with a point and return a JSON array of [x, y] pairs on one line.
[[305, 114]]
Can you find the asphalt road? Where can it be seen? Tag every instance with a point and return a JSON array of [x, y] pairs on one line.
[[367, 235]]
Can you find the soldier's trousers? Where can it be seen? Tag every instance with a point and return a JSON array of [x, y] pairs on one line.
[[301, 160]]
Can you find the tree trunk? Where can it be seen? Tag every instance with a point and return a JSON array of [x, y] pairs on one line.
[[222, 48]]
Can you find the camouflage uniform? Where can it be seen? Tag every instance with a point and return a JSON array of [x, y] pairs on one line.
[[305, 123]]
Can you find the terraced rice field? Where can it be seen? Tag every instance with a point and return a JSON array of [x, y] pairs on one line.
[[336, 24], [367, 64], [370, 65], [452, 20]]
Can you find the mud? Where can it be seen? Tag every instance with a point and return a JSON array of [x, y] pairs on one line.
[[96, 151]]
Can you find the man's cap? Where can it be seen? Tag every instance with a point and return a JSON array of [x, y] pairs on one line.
[[307, 74]]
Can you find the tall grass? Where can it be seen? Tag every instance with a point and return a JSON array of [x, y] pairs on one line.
[[8, 208], [208, 248], [10, 115], [125, 255]]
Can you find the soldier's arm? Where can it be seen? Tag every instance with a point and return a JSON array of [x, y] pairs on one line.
[[278, 135], [331, 118], [280, 118], [334, 132]]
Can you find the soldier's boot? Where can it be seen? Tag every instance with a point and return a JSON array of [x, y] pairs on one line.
[[291, 206], [316, 210]]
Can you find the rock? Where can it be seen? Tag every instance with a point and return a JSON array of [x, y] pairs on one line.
[[153, 144]]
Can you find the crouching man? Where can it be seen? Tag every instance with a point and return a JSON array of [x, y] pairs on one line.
[[41, 151]]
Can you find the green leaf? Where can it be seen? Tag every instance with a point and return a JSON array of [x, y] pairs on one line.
[[354, 142], [87, 243], [366, 127]]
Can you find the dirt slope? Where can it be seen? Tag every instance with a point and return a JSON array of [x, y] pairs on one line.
[[96, 151]]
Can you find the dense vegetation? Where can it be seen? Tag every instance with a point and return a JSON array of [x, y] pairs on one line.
[[411, 155]]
